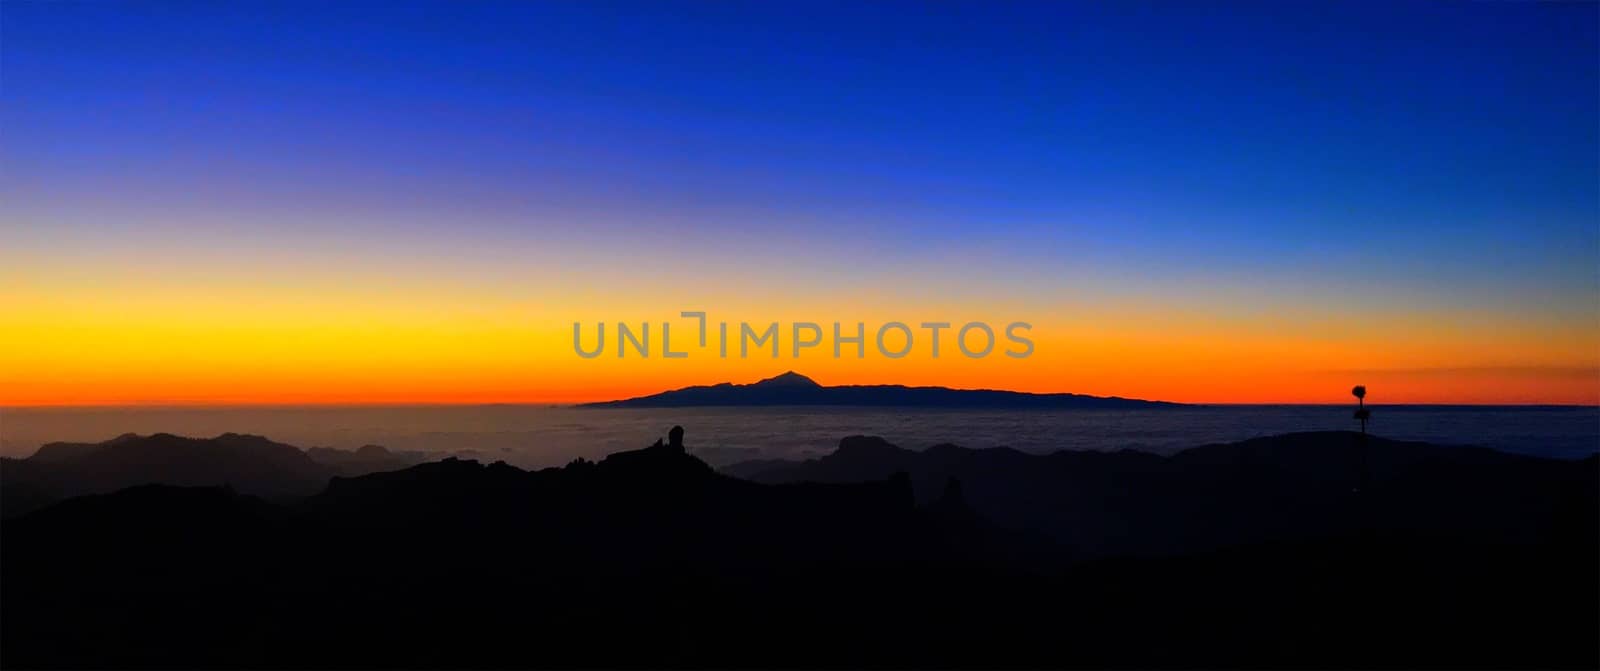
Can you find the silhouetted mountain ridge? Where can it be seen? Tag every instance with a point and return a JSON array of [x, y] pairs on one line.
[[252, 464], [1293, 485], [651, 558], [791, 388]]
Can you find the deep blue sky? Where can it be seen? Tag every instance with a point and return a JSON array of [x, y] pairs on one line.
[[1449, 150]]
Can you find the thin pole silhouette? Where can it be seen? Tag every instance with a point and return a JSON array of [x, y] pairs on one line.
[[1360, 392]]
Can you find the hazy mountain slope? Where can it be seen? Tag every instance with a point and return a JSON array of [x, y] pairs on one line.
[[251, 464]]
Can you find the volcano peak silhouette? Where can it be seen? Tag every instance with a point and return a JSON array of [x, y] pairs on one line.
[[787, 379]]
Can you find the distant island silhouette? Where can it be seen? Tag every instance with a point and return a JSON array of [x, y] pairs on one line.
[[791, 388]]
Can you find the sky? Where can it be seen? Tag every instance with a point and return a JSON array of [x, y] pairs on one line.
[[297, 202]]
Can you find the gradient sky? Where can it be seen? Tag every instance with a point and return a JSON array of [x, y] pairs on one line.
[[393, 202]]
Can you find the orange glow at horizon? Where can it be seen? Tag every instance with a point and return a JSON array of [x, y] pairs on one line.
[[413, 216], [209, 350]]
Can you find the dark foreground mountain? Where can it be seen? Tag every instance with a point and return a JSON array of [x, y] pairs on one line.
[[651, 558], [1293, 486], [795, 389], [249, 464]]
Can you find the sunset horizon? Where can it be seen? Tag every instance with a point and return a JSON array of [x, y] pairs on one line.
[[1335, 395], [245, 229], [1078, 334]]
